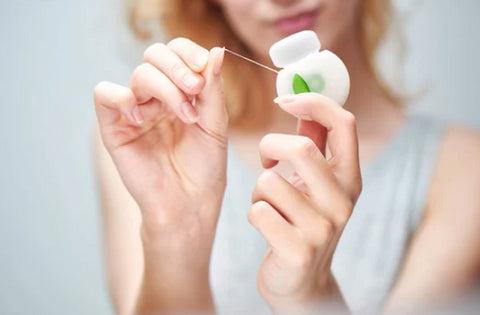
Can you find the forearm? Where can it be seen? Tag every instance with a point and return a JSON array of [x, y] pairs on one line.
[[168, 297]]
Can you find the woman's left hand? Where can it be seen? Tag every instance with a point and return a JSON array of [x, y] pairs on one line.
[[302, 218]]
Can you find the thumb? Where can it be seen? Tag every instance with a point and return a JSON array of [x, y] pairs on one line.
[[210, 103]]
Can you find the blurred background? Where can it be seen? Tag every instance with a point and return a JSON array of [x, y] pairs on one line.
[[52, 54]]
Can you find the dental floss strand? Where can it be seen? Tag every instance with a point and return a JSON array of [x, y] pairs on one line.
[[299, 84], [250, 60]]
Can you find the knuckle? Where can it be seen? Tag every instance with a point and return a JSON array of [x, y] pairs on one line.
[[264, 140], [153, 51], [123, 96], [306, 147], [358, 190], [266, 180], [140, 71], [324, 232], [114, 96], [264, 183], [327, 229], [349, 119], [251, 216], [341, 218], [257, 212], [343, 212], [100, 89], [177, 70], [348, 206], [177, 41], [263, 144], [139, 74], [303, 257]]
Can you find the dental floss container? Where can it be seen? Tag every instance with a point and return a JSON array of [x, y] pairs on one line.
[[308, 69]]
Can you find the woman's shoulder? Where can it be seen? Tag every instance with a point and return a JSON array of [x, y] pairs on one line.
[[459, 156], [456, 176], [464, 140]]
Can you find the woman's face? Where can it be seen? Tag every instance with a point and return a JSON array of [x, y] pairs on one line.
[[260, 23]]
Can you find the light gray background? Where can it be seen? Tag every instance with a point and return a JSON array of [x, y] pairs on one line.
[[52, 54]]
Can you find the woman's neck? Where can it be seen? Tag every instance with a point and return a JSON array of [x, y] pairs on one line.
[[366, 94], [377, 114]]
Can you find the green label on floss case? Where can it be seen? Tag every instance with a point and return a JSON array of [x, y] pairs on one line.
[[300, 85]]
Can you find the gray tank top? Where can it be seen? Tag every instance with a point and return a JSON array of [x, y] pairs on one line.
[[373, 245]]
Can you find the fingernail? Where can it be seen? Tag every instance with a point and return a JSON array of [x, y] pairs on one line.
[[283, 99], [189, 112], [190, 80], [304, 117], [137, 116], [201, 61], [217, 69]]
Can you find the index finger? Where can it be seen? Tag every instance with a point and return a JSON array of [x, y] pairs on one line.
[[341, 128], [176, 69], [194, 55], [305, 157]]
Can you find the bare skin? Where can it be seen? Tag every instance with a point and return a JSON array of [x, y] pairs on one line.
[[152, 199]]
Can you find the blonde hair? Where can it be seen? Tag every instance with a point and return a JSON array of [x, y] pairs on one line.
[[204, 22]]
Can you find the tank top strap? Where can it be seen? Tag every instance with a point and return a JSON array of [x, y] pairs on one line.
[[415, 147], [425, 136]]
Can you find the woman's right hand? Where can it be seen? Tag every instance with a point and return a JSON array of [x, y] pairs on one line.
[[167, 135]]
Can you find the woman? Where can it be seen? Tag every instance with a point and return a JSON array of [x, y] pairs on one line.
[[412, 238]]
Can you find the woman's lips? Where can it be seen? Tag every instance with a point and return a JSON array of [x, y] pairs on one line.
[[297, 23]]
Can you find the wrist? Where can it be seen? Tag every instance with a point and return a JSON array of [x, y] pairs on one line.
[[170, 254], [162, 220], [173, 284], [324, 296]]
